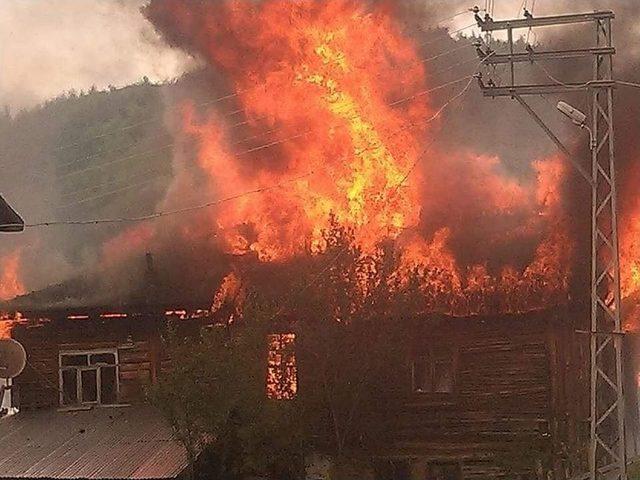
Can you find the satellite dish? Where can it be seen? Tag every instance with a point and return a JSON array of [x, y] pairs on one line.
[[13, 358]]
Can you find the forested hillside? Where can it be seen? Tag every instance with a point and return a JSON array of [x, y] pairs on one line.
[[85, 155]]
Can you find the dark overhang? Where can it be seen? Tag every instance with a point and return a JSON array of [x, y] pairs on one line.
[[10, 221]]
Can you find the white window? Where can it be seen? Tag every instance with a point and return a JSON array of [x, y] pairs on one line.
[[89, 377]]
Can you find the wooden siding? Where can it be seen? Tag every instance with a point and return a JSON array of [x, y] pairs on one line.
[[516, 383], [519, 380], [137, 344]]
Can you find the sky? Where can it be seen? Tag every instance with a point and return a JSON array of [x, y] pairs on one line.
[[48, 47]]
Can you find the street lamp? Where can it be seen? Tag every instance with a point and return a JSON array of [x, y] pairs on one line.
[[578, 118]]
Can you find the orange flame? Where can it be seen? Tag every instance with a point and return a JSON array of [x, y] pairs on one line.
[[5, 328], [350, 141], [10, 283], [630, 251], [319, 84], [7, 322], [282, 369], [230, 293]]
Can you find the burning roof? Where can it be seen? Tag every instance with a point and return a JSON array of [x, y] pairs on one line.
[[311, 132]]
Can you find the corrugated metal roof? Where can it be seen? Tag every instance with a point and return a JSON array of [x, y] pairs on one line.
[[101, 443]]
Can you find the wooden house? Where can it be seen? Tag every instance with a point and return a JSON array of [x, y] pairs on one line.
[[501, 396]]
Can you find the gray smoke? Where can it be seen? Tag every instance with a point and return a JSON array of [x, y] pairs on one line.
[[52, 46]]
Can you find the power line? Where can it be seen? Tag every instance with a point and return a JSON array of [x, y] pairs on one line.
[[448, 37], [172, 144], [559, 82], [257, 148], [215, 202], [429, 90], [300, 135], [248, 151], [150, 120], [342, 250], [113, 192], [108, 182], [157, 215], [433, 117], [447, 52], [628, 84], [209, 102], [418, 94], [453, 16]]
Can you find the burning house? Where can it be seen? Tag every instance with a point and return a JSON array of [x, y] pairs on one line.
[[340, 190], [481, 396]]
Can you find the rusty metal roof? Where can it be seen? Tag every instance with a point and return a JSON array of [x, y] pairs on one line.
[[101, 443]]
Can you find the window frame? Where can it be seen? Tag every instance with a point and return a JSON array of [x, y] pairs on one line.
[[430, 358], [81, 368], [455, 466]]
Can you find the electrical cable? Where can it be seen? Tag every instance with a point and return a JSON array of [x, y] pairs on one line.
[[628, 84], [559, 82], [114, 181], [436, 115], [440, 40], [402, 100], [257, 148], [150, 120], [157, 215], [128, 186], [343, 250], [205, 103], [447, 52], [300, 135], [208, 204], [169, 145]]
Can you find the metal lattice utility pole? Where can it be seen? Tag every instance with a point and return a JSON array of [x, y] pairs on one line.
[[607, 449]]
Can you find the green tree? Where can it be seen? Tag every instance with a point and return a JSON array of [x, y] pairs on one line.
[[353, 348], [349, 313], [214, 398]]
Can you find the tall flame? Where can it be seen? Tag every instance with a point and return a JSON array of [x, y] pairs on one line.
[[630, 251], [10, 283], [334, 95], [326, 90]]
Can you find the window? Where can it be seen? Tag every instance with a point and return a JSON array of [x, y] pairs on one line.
[[433, 370], [88, 378], [282, 371], [443, 471], [392, 470]]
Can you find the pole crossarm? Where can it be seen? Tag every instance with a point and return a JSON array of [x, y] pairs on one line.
[[491, 26], [543, 89], [520, 57]]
